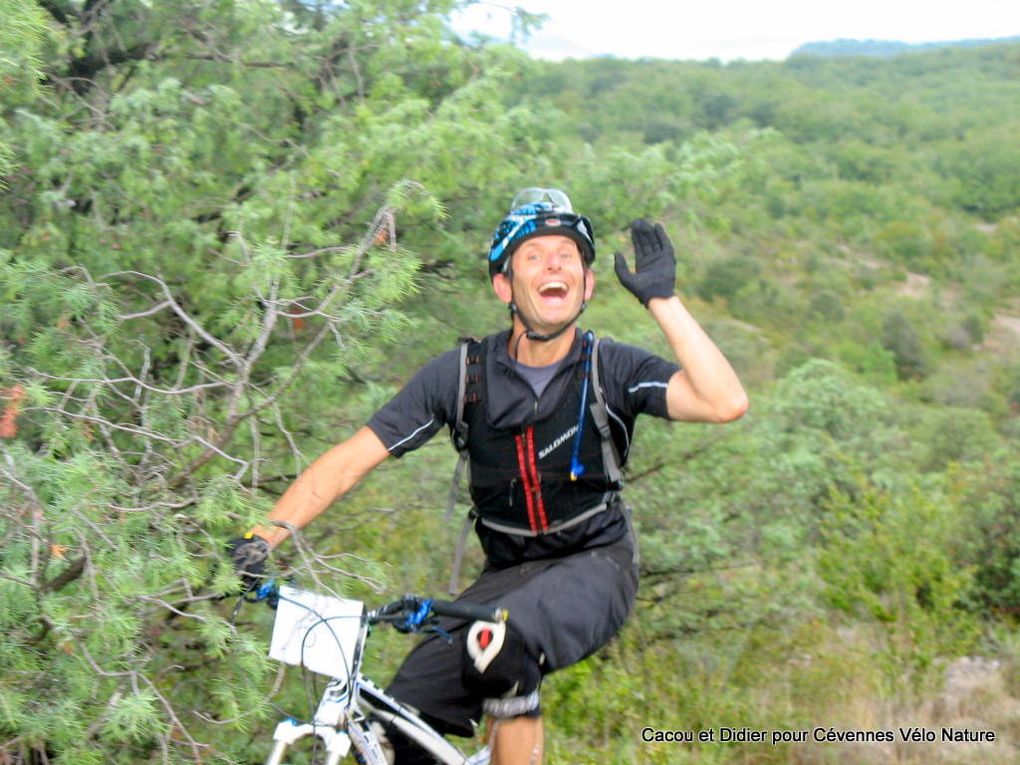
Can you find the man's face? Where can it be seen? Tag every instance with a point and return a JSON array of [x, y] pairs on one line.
[[549, 281]]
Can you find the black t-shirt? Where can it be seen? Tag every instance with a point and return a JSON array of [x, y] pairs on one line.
[[633, 382]]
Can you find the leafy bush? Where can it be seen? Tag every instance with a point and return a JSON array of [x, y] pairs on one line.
[[990, 498], [956, 434], [889, 557], [987, 173], [725, 278], [903, 341], [871, 361]]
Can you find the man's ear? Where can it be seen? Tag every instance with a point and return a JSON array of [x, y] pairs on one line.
[[589, 284], [502, 287]]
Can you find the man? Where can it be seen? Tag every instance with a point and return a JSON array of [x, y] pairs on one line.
[[560, 553]]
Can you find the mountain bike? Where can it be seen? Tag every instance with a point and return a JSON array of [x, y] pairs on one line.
[[327, 635]]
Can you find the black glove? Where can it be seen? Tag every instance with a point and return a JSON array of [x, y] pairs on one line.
[[249, 554], [654, 271]]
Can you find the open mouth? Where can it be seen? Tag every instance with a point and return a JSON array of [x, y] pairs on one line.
[[553, 290]]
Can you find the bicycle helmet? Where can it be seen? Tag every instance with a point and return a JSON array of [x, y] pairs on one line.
[[539, 212]]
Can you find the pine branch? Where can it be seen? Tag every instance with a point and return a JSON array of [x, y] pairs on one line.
[[82, 71], [681, 459], [62, 15], [238, 61], [68, 575]]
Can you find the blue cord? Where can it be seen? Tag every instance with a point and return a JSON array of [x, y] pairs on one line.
[[443, 634], [576, 468]]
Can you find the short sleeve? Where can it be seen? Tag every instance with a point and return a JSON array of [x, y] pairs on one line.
[[421, 408], [634, 380]]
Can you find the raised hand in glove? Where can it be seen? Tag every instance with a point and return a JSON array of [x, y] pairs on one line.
[[249, 554], [654, 271]]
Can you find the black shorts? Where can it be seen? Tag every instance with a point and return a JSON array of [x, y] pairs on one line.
[[565, 608]]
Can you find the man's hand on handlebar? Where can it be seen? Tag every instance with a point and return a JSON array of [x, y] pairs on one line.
[[249, 554]]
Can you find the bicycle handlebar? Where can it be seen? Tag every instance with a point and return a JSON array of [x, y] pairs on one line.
[[469, 611], [411, 611]]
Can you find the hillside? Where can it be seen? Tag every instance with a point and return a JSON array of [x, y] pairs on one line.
[[886, 48]]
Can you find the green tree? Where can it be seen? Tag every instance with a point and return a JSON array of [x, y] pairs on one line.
[[903, 341], [20, 41], [985, 173], [725, 278], [992, 539], [214, 212], [891, 557]]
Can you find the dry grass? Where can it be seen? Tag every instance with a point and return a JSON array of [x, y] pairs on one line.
[[975, 697]]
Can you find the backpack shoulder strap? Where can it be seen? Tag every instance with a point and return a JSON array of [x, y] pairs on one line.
[[600, 414], [459, 431], [470, 386]]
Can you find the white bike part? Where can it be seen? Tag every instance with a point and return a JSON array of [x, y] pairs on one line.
[[318, 632], [337, 743]]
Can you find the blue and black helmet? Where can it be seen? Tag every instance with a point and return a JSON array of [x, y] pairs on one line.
[[538, 212]]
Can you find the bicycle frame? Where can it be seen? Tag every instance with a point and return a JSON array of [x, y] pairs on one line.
[[341, 720]]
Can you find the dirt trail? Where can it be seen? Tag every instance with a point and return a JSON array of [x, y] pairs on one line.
[[1003, 334], [916, 285], [1010, 323]]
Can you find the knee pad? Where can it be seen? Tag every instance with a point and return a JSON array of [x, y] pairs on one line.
[[499, 667]]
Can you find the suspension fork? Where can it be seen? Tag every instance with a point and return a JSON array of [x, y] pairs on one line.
[[332, 711]]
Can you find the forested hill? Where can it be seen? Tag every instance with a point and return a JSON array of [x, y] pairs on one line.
[[886, 48], [229, 231]]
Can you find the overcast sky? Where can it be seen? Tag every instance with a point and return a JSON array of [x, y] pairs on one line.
[[738, 29]]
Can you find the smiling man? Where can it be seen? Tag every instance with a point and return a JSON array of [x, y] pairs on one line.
[[544, 413]]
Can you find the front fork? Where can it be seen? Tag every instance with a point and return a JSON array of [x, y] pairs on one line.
[[337, 743], [330, 717]]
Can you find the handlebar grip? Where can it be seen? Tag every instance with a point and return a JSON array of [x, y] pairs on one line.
[[469, 611]]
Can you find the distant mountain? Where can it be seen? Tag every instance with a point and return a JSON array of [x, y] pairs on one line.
[[886, 48]]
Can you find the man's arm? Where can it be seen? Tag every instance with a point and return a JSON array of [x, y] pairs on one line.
[[333, 474], [407, 421], [706, 389]]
